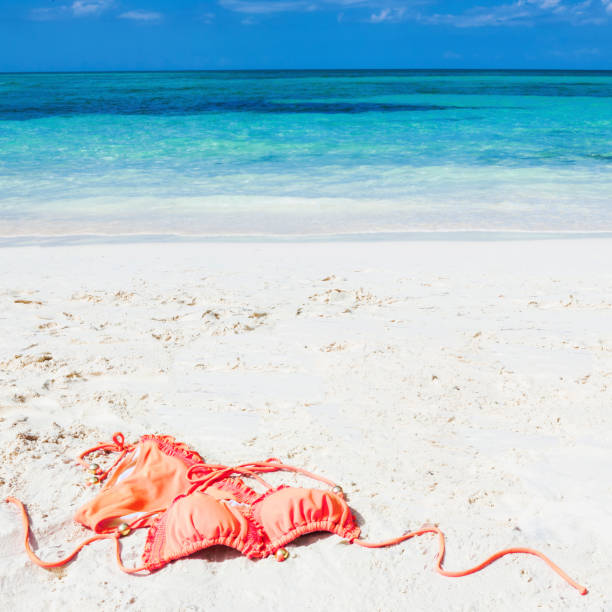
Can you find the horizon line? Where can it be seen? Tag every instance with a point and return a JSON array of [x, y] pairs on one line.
[[168, 70]]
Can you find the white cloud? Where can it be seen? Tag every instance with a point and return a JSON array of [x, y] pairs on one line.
[[388, 15], [86, 8], [262, 7], [521, 12], [48, 13], [545, 4], [89, 8], [510, 13], [141, 15], [382, 16], [285, 6], [78, 8], [505, 14]]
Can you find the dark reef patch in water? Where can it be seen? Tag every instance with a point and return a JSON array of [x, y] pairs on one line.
[[166, 107]]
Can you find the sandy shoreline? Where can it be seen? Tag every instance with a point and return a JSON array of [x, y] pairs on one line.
[[466, 384]]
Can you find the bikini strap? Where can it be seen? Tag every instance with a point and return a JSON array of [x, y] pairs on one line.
[[117, 446], [203, 475], [273, 465], [114, 535], [442, 549]]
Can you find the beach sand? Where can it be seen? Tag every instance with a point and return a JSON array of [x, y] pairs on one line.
[[463, 383]]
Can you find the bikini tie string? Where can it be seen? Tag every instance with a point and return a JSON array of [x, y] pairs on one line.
[[203, 475], [114, 535], [117, 446], [119, 440], [442, 549]]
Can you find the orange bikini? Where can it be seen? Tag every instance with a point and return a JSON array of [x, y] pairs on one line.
[[189, 505]]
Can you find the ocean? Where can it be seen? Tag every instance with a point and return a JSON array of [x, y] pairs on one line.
[[305, 154]]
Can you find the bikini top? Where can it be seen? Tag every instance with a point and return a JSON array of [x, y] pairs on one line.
[[188, 505]]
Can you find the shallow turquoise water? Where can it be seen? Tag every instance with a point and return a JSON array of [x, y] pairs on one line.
[[311, 153]]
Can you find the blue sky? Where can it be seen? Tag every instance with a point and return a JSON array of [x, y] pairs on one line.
[[212, 34]]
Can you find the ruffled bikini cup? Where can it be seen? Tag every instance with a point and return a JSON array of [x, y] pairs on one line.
[[230, 513]]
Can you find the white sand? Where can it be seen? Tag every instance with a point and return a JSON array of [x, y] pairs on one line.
[[467, 384]]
